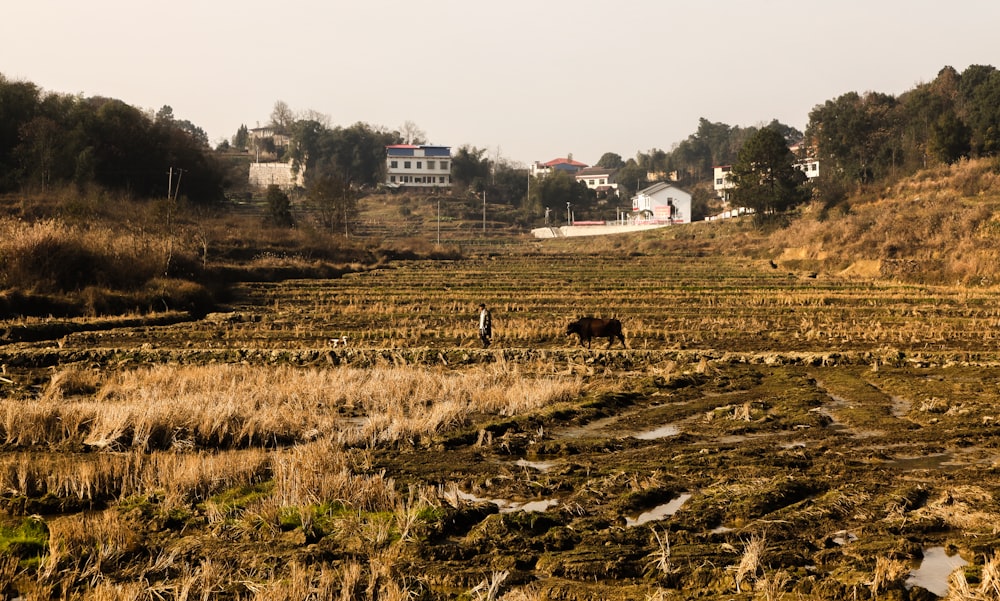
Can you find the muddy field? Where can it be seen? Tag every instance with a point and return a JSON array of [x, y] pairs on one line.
[[767, 434]]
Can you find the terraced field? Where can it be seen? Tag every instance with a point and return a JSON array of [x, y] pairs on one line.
[[766, 434]]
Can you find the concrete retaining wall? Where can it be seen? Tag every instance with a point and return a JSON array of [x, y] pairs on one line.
[[591, 230]]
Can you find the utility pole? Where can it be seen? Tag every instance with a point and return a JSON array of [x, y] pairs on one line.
[[484, 212], [180, 172]]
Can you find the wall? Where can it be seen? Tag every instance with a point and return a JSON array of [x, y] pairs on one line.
[[263, 175]]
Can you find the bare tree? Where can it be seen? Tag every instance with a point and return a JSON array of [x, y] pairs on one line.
[[281, 115], [322, 118], [412, 134]]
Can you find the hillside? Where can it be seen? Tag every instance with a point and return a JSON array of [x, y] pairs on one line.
[[941, 226]]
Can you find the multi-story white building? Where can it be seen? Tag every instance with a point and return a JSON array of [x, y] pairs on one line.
[[419, 168], [720, 181]]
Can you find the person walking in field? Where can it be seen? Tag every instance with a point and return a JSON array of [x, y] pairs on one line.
[[485, 325]]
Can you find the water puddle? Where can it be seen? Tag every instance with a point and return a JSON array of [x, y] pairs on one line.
[[937, 461], [506, 506], [659, 512], [844, 537], [833, 424], [588, 429], [900, 406], [932, 574], [661, 432], [542, 466], [595, 427], [792, 445]]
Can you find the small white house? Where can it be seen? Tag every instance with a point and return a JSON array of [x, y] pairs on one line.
[[598, 179], [662, 202]]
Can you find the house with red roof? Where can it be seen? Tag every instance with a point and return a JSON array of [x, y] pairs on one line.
[[562, 164]]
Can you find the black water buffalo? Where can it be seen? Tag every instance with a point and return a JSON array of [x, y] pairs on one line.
[[592, 327]]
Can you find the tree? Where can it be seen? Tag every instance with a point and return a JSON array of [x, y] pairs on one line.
[[950, 138], [355, 155], [858, 137], [610, 160], [18, 105], [469, 167], [241, 140], [631, 178], [279, 206], [166, 113], [980, 93], [334, 202], [764, 175], [557, 189], [412, 134], [39, 149], [282, 116]]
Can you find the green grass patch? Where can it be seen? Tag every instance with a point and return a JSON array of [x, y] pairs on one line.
[[27, 540]]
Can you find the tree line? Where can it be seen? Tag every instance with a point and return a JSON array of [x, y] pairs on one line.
[[874, 137], [51, 139]]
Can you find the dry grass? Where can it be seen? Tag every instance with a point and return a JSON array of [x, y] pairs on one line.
[[888, 574], [659, 560], [238, 406], [749, 568], [938, 227], [988, 589]]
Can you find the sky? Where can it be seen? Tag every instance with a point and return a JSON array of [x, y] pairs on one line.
[[526, 80]]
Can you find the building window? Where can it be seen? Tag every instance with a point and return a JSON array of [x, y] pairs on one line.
[[393, 164], [419, 165], [430, 165], [406, 164], [444, 165], [441, 179], [718, 182], [392, 179]]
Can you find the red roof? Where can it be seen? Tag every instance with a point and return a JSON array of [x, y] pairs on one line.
[[564, 161]]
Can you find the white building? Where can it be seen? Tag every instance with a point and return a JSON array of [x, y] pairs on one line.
[[804, 159], [720, 181], [809, 166], [599, 179], [418, 168], [662, 202]]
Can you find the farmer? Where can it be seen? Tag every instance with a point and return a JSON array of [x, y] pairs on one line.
[[485, 325]]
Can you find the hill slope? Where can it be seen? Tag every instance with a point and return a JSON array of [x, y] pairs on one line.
[[940, 226]]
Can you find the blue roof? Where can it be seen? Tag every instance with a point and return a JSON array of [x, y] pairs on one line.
[[409, 150]]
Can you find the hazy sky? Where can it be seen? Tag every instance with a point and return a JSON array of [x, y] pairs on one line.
[[530, 80]]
